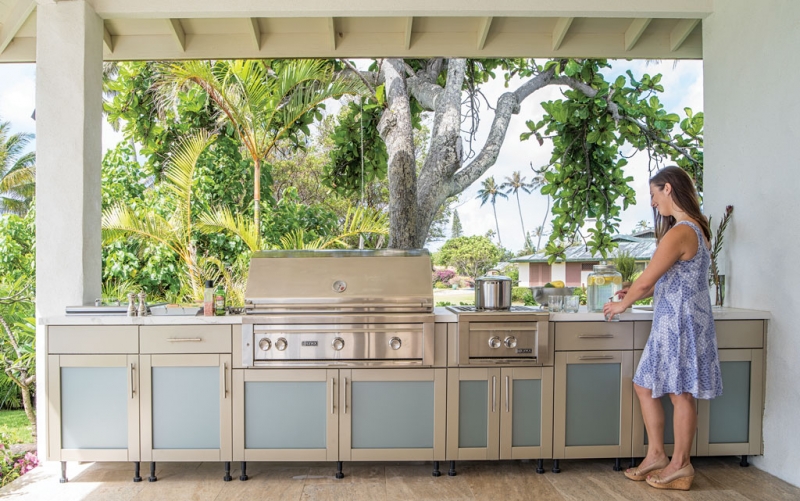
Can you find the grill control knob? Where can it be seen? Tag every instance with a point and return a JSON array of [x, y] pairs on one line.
[[494, 342], [265, 344], [338, 344], [510, 342], [395, 343], [280, 344]]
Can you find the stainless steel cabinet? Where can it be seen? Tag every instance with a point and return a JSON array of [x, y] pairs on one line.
[[392, 414], [499, 413], [286, 415], [186, 407], [593, 404]]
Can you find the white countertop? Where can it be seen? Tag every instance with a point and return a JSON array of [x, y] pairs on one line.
[[442, 315]]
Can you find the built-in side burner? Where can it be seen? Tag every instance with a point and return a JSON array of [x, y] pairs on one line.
[[514, 309]]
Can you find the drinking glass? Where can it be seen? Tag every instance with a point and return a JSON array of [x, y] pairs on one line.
[[571, 304], [556, 303]]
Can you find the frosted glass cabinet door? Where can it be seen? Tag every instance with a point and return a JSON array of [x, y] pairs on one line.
[[593, 404], [186, 407], [526, 413], [286, 415], [473, 414], [731, 424], [392, 414], [94, 403]]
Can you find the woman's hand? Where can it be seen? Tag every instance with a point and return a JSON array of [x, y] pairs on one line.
[[621, 293], [610, 309]]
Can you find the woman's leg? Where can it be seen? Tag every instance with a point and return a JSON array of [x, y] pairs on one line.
[[685, 426], [653, 414]]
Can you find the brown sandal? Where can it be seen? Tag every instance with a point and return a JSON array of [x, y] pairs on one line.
[[638, 474], [680, 480]]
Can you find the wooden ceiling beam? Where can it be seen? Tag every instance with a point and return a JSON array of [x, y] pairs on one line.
[[634, 31], [483, 31], [680, 32], [255, 31], [16, 18], [560, 31], [108, 42], [409, 29], [332, 33], [177, 33]]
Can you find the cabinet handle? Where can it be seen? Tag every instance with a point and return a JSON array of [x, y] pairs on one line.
[[132, 388], [345, 395], [507, 394], [184, 339], [596, 357], [225, 378], [494, 398], [596, 336], [333, 395]]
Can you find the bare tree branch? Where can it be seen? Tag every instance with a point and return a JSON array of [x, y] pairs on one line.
[[360, 75]]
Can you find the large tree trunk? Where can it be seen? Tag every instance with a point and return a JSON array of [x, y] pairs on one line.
[[395, 130]]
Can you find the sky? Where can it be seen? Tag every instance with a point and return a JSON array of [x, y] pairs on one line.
[[683, 87]]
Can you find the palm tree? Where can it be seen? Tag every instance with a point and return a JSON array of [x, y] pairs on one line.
[[514, 184], [489, 193], [537, 182], [263, 101], [17, 171]]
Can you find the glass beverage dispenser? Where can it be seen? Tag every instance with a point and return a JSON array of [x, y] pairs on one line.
[[603, 282]]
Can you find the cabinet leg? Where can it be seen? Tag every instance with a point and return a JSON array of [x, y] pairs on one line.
[[152, 477], [633, 463], [436, 472], [243, 476], [743, 463], [452, 472], [136, 477], [617, 465], [227, 477], [339, 473], [63, 479], [556, 469], [540, 466]]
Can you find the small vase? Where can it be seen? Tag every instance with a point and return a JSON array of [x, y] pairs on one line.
[[719, 289]]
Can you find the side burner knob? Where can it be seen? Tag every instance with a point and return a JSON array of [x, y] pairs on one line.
[[280, 344], [494, 342], [265, 344], [395, 343], [338, 344], [510, 342]]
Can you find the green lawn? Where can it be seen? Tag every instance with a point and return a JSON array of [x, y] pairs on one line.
[[15, 428]]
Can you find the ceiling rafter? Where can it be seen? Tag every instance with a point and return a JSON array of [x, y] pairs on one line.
[[409, 29], [16, 18], [107, 40], [635, 30], [483, 31], [679, 33], [560, 31], [177, 33], [255, 30], [332, 33]]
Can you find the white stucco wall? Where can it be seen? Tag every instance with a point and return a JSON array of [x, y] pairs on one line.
[[559, 272], [751, 71]]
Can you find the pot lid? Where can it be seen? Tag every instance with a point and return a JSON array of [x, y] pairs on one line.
[[497, 277]]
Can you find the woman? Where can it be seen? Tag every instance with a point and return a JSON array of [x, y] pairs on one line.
[[680, 358]]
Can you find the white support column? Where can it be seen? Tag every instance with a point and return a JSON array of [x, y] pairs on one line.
[[69, 65]]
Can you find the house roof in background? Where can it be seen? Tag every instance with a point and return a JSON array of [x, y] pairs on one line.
[[641, 249]]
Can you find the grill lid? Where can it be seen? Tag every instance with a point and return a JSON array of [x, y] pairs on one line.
[[317, 281]]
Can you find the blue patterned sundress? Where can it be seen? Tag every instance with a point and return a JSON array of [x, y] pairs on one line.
[[681, 352]]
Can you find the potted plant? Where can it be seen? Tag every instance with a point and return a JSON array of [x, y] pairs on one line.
[[717, 279], [626, 266]]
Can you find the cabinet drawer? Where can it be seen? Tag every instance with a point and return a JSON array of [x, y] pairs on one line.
[[577, 336], [641, 332], [185, 339], [95, 339], [740, 333]]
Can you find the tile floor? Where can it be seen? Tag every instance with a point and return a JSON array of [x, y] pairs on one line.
[[717, 478]]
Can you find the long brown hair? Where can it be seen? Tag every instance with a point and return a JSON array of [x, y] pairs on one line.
[[683, 195]]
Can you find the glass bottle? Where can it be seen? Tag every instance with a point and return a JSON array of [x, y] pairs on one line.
[[208, 299], [602, 283], [219, 300]]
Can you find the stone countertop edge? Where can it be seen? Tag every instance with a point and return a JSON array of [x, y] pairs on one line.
[[442, 316]]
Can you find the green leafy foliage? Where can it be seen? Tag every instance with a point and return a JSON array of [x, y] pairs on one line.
[[470, 256]]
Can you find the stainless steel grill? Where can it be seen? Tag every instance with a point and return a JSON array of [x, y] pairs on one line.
[[354, 308]]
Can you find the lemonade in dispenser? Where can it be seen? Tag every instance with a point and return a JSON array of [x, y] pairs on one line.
[[602, 283]]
